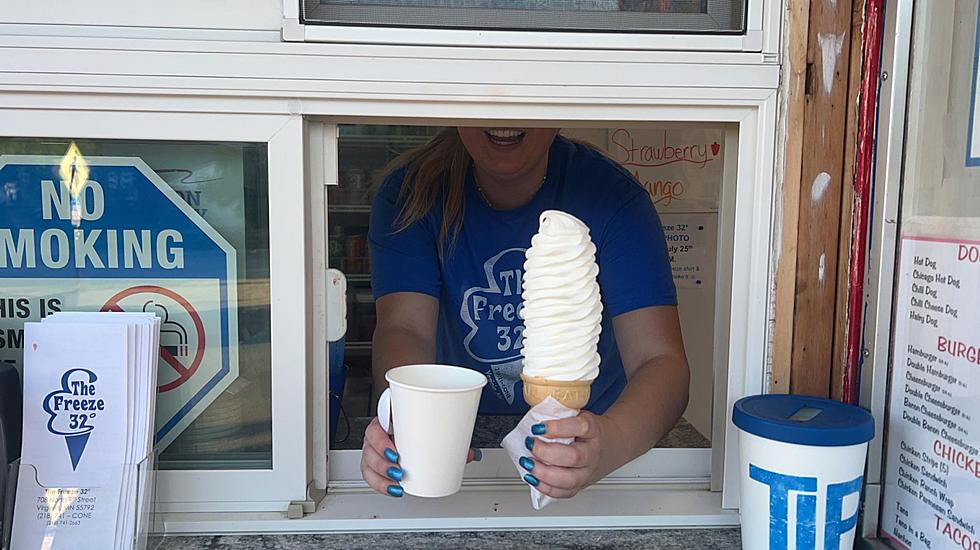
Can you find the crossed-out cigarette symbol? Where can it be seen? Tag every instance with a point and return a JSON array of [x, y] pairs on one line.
[[175, 347]]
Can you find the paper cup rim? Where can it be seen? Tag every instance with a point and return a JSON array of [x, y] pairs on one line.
[[474, 386]]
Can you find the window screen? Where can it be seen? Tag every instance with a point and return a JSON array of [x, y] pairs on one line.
[[630, 16]]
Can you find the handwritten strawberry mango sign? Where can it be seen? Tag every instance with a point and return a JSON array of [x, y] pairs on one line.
[[680, 168]]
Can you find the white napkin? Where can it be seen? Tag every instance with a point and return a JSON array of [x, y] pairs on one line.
[[549, 409]]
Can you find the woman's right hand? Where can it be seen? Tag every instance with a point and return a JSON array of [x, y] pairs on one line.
[[379, 461]]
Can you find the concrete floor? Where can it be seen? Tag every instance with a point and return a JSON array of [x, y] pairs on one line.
[[668, 539]]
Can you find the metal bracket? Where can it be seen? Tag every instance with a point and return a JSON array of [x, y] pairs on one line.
[[299, 508], [295, 510]]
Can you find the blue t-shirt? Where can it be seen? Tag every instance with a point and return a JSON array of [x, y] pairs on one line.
[[478, 281]]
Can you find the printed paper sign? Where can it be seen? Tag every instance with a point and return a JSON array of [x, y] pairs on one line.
[[120, 239], [932, 476], [691, 246]]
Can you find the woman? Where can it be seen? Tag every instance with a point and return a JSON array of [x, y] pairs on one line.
[[449, 228]]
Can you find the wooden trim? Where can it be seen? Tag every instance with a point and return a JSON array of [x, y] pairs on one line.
[[821, 85], [847, 201], [794, 88]]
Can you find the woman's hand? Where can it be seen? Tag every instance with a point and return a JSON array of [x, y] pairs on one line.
[[379, 461], [654, 399], [560, 470]]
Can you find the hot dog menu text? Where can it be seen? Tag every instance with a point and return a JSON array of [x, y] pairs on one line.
[[932, 483]]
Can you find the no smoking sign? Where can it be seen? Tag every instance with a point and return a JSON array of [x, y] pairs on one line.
[[125, 242]]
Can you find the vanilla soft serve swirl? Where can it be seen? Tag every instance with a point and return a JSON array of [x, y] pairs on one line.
[[562, 308]]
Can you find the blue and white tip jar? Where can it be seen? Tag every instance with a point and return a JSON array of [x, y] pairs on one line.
[[802, 470]]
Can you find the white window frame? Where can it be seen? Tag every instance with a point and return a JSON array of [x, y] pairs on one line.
[[228, 490], [661, 466], [149, 87], [739, 370], [762, 31]]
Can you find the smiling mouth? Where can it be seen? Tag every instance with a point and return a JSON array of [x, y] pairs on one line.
[[505, 136]]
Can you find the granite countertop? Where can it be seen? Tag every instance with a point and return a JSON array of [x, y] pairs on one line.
[[668, 539]]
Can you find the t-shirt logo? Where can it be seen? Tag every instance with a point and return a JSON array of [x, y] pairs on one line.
[[496, 330]]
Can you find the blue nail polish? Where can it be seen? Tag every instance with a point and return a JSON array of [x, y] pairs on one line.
[[391, 455], [477, 455], [538, 429], [526, 463], [529, 443], [533, 481], [395, 473], [395, 491]]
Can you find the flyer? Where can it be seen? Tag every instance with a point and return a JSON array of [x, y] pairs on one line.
[[89, 388]]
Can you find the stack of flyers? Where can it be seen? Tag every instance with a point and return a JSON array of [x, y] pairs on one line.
[[89, 403]]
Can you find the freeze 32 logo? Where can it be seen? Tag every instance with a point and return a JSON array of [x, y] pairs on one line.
[[492, 313], [73, 410]]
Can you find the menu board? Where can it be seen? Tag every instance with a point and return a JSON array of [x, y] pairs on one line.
[[932, 483]]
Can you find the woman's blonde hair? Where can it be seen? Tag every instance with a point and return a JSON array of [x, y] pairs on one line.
[[433, 170]]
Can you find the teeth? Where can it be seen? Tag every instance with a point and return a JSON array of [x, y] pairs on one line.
[[504, 133]]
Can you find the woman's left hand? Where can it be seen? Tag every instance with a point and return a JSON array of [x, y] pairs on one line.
[[561, 471]]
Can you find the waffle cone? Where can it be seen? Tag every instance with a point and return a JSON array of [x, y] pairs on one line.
[[574, 394]]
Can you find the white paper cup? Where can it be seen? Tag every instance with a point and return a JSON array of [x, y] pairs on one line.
[[432, 410]]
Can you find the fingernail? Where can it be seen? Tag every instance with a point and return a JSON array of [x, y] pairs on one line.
[[391, 455], [395, 473], [526, 463], [477, 455], [538, 429], [395, 491], [533, 481], [529, 443]]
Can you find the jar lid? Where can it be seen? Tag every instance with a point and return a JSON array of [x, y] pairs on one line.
[[804, 420]]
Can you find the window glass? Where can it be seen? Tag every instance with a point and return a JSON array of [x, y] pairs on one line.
[[179, 229], [701, 16], [933, 405]]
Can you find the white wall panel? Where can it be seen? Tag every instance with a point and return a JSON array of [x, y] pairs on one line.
[[195, 14]]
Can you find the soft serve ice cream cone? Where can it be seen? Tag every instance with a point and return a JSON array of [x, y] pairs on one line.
[[562, 312]]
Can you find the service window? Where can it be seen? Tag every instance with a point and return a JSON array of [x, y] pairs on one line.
[[684, 168]]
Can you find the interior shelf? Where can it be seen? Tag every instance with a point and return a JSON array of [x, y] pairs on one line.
[[388, 141], [349, 208], [357, 346]]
